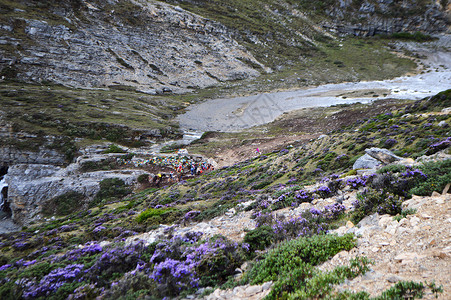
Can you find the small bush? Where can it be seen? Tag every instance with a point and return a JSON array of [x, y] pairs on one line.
[[114, 149], [149, 213], [302, 253], [404, 290], [391, 169], [371, 201], [438, 176], [297, 286], [259, 238]]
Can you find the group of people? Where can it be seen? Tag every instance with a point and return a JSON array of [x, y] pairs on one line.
[[198, 169], [181, 170]]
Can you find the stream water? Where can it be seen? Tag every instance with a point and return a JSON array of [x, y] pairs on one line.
[[3, 185], [235, 114], [6, 224]]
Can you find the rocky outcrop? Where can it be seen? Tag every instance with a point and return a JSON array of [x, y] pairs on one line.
[[377, 157], [30, 186], [151, 46], [25, 148], [366, 162], [11, 156], [383, 155], [369, 17]]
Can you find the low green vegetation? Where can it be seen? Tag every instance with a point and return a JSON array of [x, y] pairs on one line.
[[64, 204], [149, 213], [111, 189], [416, 36]]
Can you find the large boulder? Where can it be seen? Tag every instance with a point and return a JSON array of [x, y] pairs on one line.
[[366, 162], [383, 155]]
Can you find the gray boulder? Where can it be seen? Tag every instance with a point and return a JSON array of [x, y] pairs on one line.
[[366, 162], [383, 155]]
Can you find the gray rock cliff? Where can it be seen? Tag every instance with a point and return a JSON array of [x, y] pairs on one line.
[[151, 46], [369, 17]]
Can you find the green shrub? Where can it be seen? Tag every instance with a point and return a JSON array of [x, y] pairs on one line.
[[297, 286], [371, 201], [114, 149], [391, 169], [302, 253], [149, 213], [64, 204], [215, 267], [111, 189], [259, 238], [404, 290], [438, 176]]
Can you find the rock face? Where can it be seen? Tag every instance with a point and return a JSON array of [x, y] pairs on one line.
[[12, 155], [376, 157], [30, 186], [370, 17], [383, 155], [366, 162], [149, 45]]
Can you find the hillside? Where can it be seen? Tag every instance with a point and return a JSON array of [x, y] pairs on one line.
[[158, 48], [324, 175], [280, 202]]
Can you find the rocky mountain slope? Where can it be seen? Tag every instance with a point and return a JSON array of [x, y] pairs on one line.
[[158, 48], [148, 45]]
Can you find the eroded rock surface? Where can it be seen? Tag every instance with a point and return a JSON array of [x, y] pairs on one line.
[[152, 46]]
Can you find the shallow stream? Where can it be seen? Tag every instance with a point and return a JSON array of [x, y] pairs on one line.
[[235, 114]]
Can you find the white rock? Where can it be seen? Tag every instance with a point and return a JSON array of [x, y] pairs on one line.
[[404, 222], [414, 221], [266, 285], [385, 220], [252, 290]]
